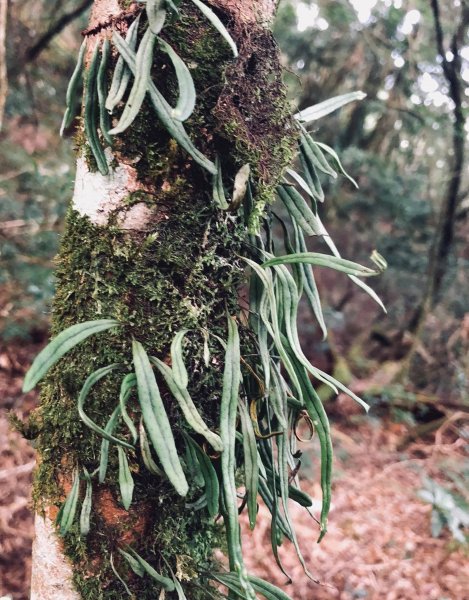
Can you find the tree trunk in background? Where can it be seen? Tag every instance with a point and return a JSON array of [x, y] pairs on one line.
[[443, 240], [146, 245]]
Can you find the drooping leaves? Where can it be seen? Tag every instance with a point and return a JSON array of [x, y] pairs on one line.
[[60, 345], [156, 420]]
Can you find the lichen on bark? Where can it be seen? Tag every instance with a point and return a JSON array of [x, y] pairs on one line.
[[179, 268]]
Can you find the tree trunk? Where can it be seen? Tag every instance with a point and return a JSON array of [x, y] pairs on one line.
[[147, 245]]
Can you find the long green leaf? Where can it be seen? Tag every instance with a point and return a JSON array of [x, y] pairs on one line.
[[133, 562], [165, 582], [156, 420], [143, 64], [104, 120], [251, 467], [212, 487], [66, 515], [309, 282], [218, 193], [228, 412], [121, 77], [90, 113], [72, 89], [215, 21], [317, 111], [186, 101], [269, 591], [156, 14], [126, 482], [336, 159], [85, 390], [104, 453], [60, 345], [179, 371], [146, 453], [163, 110], [86, 506], [116, 573], [187, 406], [322, 260], [128, 383]]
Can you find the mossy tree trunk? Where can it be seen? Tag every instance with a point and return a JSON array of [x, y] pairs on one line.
[[146, 245]]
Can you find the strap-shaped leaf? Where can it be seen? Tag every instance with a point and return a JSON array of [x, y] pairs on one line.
[[60, 345], [317, 111], [163, 110], [300, 181], [156, 13], [156, 420], [251, 467], [133, 562], [179, 371], [212, 487], [337, 162], [165, 582], [116, 573], [90, 113], [72, 90], [308, 162], [320, 421], [121, 77], [187, 406], [323, 260], [128, 383], [104, 452], [104, 120], [320, 161], [228, 413], [85, 390], [186, 100], [269, 591], [126, 482], [67, 512], [215, 21], [309, 283], [178, 587], [143, 63], [146, 452], [297, 208], [219, 196], [86, 506]]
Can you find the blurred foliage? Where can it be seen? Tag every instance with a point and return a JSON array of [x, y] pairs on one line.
[[449, 509], [36, 169]]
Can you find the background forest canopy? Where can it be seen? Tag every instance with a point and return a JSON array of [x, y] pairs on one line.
[[399, 144]]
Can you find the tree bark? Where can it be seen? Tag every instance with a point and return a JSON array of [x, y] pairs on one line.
[[146, 245]]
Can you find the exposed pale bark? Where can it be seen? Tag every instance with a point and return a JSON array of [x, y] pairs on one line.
[[51, 573], [163, 261]]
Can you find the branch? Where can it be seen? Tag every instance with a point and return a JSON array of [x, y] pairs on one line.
[[33, 52]]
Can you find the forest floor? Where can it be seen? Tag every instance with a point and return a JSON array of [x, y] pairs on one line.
[[379, 543]]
